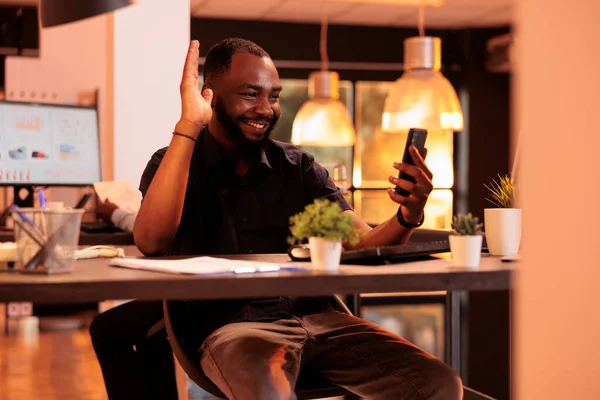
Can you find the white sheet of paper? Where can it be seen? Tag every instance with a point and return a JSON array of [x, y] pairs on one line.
[[200, 265], [121, 193]]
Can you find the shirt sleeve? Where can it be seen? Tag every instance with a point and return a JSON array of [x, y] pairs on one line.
[[123, 219], [318, 184], [150, 170]]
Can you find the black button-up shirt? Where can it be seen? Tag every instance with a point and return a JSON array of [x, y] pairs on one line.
[[225, 213]]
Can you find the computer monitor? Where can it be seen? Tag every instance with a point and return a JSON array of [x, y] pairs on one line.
[[48, 145]]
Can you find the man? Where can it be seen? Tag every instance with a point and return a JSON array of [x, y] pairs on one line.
[[110, 213], [223, 187]]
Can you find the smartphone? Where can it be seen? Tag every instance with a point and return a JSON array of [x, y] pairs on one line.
[[416, 137]]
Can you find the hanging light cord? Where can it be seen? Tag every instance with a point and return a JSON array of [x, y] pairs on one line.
[[421, 21], [323, 45]]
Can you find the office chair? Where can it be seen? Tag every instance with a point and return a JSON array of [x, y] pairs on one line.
[[308, 386]]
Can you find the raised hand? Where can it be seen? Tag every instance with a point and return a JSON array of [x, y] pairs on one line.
[[413, 204], [196, 111]]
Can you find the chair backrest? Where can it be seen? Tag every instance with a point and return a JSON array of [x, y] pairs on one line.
[[175, 311]]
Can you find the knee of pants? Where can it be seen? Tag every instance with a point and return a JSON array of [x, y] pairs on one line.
[[106, 330], [436, 381], [252, 348], [446, 384], [250, 363], [99, 329]]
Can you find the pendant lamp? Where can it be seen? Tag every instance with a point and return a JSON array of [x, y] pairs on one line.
[[323, 120], [58, 12], [422, 97]]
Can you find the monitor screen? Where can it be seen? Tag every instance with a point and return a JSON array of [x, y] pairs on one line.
[[47, 144]]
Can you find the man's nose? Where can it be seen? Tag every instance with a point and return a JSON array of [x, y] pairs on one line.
[[263, 107]]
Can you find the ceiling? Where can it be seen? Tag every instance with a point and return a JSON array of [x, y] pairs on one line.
[[452, 14], [400, 13]]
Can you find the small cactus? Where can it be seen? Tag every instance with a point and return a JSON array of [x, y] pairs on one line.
[[464, 225]]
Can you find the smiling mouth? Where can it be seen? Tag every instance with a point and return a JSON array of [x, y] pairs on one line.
[[257, 125]]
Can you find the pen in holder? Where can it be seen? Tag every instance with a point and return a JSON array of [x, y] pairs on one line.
[[46, 239]]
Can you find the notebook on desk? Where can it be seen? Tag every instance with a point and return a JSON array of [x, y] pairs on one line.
[[380, 255]]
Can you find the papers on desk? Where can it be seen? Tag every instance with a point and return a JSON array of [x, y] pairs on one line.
[[125, 196], [205, 266]]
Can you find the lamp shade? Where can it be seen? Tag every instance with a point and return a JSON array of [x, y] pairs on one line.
[[58, 12], [323, 120], [422, 97]]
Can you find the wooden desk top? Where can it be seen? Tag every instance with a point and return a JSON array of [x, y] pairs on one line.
[[93, 280]]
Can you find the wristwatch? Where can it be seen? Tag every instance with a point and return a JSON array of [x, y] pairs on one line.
[[406, 224]]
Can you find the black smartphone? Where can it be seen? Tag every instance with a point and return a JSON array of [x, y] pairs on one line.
[[416, 137]]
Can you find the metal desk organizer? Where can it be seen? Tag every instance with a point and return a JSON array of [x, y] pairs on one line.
[[46, 239]]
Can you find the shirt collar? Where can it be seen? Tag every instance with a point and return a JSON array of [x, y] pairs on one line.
[[213, 153]]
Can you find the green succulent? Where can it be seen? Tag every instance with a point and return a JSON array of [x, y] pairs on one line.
[[466, 225], [323, 218], [503, 193]]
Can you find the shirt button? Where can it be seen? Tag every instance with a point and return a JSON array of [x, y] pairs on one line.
[[243, 220], [249, 251]]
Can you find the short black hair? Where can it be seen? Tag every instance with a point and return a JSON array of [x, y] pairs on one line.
[[218, 58]]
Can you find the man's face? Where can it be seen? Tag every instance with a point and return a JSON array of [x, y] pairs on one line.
[[247, 99]]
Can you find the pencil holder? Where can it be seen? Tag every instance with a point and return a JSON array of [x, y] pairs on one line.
[[46, 239]]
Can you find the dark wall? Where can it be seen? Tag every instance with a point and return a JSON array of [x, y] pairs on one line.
[[18, 29], [485, 139], [489, 120], [19, 34], [291, 41]]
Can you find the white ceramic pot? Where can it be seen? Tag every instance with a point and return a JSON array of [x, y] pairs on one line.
[[503, 230], [325, 254], [466, 250]]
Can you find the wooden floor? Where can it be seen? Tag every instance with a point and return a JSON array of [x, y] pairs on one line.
[[49, 365], [59, 365]]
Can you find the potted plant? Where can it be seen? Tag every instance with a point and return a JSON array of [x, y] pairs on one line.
[[325, 227], [465, 241], [503, 223]]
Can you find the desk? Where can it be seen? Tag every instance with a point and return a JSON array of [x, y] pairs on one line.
[[85, 239], [92, 280]]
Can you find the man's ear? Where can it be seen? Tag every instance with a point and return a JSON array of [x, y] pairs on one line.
[[209, 86]]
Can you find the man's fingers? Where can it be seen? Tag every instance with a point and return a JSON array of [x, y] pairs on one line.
[[418, 173], [422, 188], [402, 183], [190, 68], [420, 160], [207, 94], [397, 198]]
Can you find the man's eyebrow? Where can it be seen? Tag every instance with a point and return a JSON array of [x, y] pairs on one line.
[[259, 87]]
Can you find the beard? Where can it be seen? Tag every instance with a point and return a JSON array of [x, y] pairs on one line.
[[233, 126]]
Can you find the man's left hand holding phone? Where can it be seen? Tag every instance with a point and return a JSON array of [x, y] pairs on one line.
[[412, 205]]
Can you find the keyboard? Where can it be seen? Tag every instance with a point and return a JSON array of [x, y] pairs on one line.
[[396, 253], [380, 255]]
